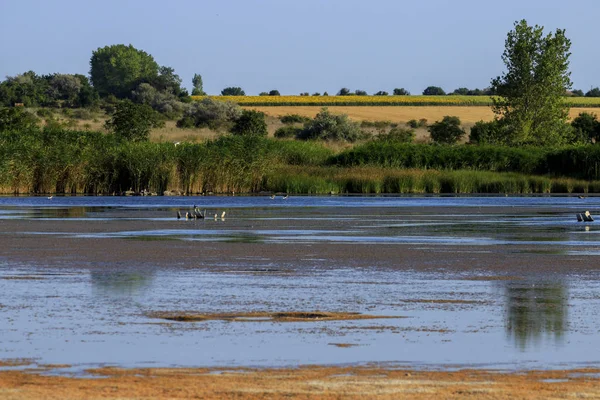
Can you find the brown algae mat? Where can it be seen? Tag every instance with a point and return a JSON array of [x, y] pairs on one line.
[[292, 316], [301, 383]]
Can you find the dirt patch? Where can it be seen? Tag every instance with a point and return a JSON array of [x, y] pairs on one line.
[[16, 362], [301, 383], [291, 316], [344, 345]]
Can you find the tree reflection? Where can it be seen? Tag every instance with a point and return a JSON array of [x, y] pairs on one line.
[[535, 312], [121, 283]]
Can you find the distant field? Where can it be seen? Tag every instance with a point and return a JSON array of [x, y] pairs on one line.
[[284, 101], [467, 115]]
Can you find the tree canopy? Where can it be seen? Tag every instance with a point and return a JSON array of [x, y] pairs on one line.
[[133, 122], [529, 95], [119, 69]]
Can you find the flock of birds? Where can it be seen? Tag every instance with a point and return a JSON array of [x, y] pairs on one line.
[[197, 214]]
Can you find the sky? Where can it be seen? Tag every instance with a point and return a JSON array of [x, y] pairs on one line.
[[296, 46]]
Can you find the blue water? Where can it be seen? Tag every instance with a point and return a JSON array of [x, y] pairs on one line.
[[453, 313]]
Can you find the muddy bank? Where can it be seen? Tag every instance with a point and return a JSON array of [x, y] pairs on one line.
[[302, 383], [289, 316]]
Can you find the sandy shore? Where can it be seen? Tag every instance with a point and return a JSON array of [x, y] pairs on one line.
[[302, 383]]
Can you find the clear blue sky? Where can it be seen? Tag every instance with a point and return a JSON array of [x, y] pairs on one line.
[[296, 46]]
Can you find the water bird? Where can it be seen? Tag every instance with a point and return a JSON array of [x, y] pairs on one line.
[[581, 197], [178, 215], [272, 197], [587, 217], [223, 215], [286, 196], [579, 217], [50, 197]]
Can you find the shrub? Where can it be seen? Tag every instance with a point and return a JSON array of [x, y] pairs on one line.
[[45, 113], [382, 93], [82, 113], [316, 94], [16, 119], [577, 93], [398, 135], [344, 92], [294, 118], [250, 123], [274, 92], [360, 93], [434, 91], [133, 122], [232, 91], [327, 126], [210, 113], [286, 132], [491, 132], [446, 131], [263, 94], [413, 123]]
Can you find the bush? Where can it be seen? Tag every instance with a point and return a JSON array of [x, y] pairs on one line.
[[263, 94], [344, 92], [327, 126], [82, 113], [316, 94], [577, 93], [250, 123], [382, 93], [210, 113], [16, 119], [401, 92], [286, 132], [274, 93], [375, 124], [133, 122], [294, 118], [45, 113], [491, 132], [446, 131], [398, 135], [360, 93], [414, 124], [233, 91], [434, 91]]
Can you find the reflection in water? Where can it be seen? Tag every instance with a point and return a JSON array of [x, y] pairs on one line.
[[535, 312], [121, 283]]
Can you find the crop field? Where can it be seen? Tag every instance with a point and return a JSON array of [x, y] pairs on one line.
[[467, 115], [292, 101]]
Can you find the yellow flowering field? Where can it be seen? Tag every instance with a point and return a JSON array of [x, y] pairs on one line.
[[268, 101]]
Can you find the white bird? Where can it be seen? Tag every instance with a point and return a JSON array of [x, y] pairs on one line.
[[223, 215], [272, 197], [587, 217], [50, 197], [286, 196]]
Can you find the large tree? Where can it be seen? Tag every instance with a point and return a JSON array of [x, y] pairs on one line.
[[529, 97], [119, 69]]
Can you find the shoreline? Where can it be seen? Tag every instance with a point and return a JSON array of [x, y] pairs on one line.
[[308, 382]]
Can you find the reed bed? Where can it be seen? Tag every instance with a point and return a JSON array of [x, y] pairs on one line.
[[77, 162], [372, 180]]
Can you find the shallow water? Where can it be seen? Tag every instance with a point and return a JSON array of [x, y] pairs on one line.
[[86, 312]]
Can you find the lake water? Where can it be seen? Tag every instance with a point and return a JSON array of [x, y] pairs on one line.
[[485, 282]]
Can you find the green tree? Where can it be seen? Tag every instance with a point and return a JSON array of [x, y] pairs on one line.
[[198, 89], [359, 92], [529, 95], [488, 132], [233, 91], [586, 127], [344, 92], [119, 69], [577, 93], [251, 122], [401, 92], [133, 122], [327, 126], [433, 91], [595, 92], [381, 93], [446, 131], [274, 92]]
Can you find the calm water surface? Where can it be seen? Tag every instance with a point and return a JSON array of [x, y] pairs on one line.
[[83, 316]]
